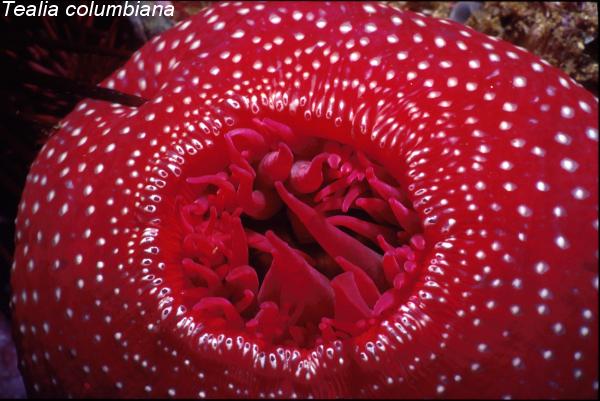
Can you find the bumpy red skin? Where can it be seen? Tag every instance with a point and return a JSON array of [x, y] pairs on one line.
[[483, 318]]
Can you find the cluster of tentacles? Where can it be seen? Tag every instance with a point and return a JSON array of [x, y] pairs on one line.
[[301, 240]]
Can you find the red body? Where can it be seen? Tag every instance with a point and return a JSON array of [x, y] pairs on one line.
[[498, 151]]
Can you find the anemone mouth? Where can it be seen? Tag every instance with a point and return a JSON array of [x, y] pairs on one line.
[[291, 240]]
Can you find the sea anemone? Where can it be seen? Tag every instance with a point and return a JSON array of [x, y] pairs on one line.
[[315, 200]]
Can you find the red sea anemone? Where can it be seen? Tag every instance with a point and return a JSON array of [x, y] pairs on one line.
[[316, 199]]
